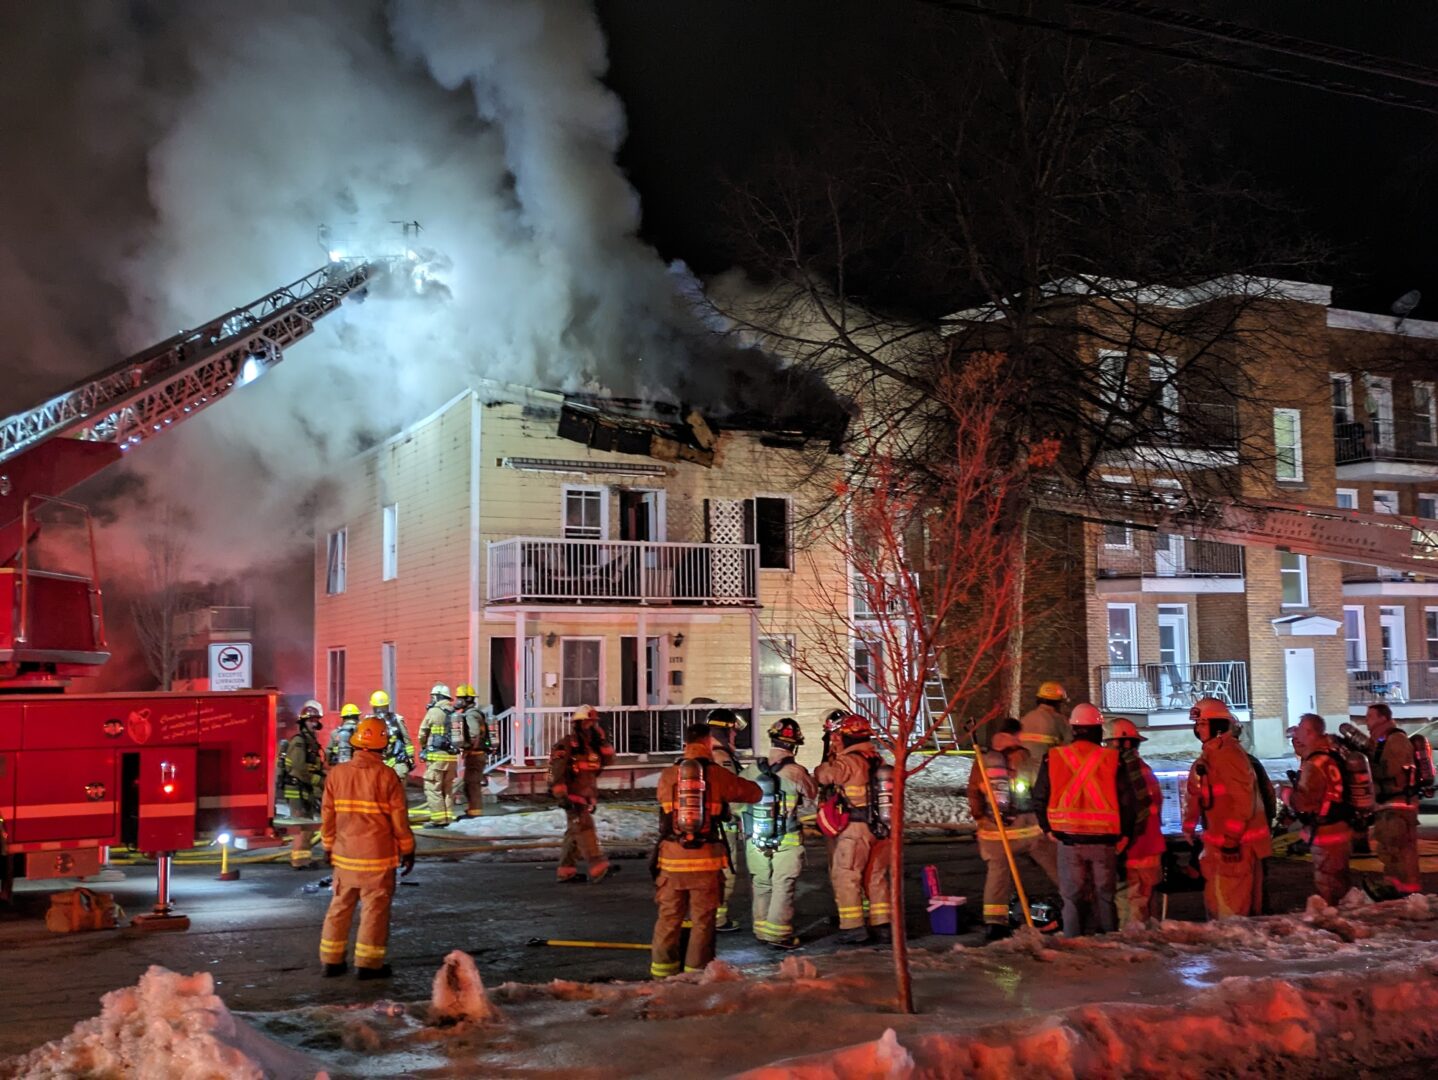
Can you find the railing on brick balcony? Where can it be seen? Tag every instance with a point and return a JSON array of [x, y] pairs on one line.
[[526, 736], [1148, 554], [530, 569], [1416, 680], [1385, 440], [1158, 687]]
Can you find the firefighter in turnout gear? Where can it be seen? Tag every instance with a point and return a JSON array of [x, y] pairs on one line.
[[1141, 865], [1088, 807], [365, 827], [398, 750], [1044, 726], [575, 763], [1224, 796], [1395, 823], [859, 864], [775, 840], [339, 748], [1318, 799], [723, 724], [440, 754], [476, 749], [1012, 773], [304, 774], [693, 796]]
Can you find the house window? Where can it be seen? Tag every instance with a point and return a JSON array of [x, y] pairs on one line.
[[335, 679], [1288, 444], [1163, 384], [1347, 498], [389, 668], [1117, 536], [1342, 384], [1385, 502], [585, 513], [1122, 645], [390, 539], [1428, 506], [776, 674], [1430, 632], [581, 660], [1355, 649], [1293, 572], [1112, 372], [768, 526], [1425, 414], [335, 562]]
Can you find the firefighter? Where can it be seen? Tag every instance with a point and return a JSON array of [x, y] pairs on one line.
[[1142, 864], [1044, 725], [365, 827], [693, 796], [1395, 823], [1317, 799], [1085, 805], [440, 756], [339, 747], [774, 850], [723, 724], [859, 863], [1223, 794], [398, 750], [476, 749], [304, 769], [575, 763], [1012, 771]]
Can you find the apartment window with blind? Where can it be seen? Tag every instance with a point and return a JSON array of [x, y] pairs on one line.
[[776, 674], [1288, 444], [585, 516], [1355, 649], [1293, 572], [1122, 644], [335, 679], [1427, 506], [1117, 536], [1346, 498], [390, 542], [335, 562], [581, 661]]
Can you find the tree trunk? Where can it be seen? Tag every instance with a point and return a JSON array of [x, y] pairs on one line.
[[903, 981], [1014, 667]]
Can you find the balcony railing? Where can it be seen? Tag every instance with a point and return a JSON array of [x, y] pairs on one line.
[[1416, 680], [525, 736], [1158, 687], [1385, 440], [227, 622], [528, 569], [1193, 425], [1148, 554]]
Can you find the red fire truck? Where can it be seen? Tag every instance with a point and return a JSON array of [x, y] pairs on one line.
[[157, 772]]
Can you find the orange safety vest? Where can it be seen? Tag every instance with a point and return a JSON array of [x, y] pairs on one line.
[[1083, 781]]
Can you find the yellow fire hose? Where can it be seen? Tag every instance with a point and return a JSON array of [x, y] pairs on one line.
[[561, 944], [1004, 838]]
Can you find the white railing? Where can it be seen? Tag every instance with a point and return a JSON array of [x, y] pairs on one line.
[[529, 734], [526, 569], [501, 734]]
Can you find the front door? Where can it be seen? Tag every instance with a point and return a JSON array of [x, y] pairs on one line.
[[1394, 647], [1168, 555], [1173, 672], [1301, 677]]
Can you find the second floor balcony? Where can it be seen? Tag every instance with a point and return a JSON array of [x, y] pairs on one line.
[[1166, 562], [535, 570], [1385, 448]]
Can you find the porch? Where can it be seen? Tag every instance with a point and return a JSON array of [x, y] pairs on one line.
[[536, 570], [1158, 688], [1402, 684]]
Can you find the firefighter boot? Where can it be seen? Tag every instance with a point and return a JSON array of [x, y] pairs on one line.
[[884, 935], [365, 974], [859, 936], [329, 971]]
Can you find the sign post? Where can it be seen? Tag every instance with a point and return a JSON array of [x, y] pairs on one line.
[[230, 665]]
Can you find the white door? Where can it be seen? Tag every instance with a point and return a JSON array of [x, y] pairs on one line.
[[1380, 411], [1168, 555], [655, 671], [1173, 671], [1302, 680], [1394, 648], [531, 672]]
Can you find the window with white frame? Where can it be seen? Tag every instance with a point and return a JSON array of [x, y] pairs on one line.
[[586, 513], [1427, 505], [1117, 536], [389, 668], [1385, 502], [1425, 414], [335, 562], [1112, 377], [581, 661], [1342, 384], [1293, 573], [1346, 498], [1163, 376], [776, 674], [1122, 641], [389, 542], [335, 679], [1288, 444], [1430, 633], [1355, 649]]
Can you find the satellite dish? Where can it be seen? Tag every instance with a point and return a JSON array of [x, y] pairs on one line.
[[1404, 305]]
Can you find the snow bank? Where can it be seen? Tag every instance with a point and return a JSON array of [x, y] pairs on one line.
[[458, 995], [166, 1026], [616, 825]]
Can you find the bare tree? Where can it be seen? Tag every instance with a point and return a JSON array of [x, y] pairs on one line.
[[166, 594]]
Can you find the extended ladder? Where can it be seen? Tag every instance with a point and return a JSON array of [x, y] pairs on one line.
[[937, 720]]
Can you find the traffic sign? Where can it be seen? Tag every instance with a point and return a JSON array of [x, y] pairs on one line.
[[230, 665]]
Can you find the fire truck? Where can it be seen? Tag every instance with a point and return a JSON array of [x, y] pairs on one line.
[[157, 772]]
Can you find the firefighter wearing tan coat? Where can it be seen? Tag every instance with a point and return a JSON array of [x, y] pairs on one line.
[[1223, 794], [476, 750], [440, 756], [859, 865], [365, 828], [689, 862], [1044, 726], [304, 772], [1317, 800], [575, 763], [1395, 825], [774, 851]]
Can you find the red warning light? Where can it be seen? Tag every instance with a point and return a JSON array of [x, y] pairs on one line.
[[168, 789], [167, 778]]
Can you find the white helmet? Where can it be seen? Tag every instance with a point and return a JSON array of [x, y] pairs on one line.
[[440, 690], [312, 706]]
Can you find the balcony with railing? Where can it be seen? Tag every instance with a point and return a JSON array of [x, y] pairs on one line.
[[1401, 684], [534, 570], [525, 736], [1147, 688], [226, 623], [1166, 562], [1382, 440]]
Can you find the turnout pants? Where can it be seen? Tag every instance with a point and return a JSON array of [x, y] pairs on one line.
[[373, 936], [999, 880], [474, 782], [1395, 835], [1331, 847], [439, 790], [581, 841], [1232, 885], [1134, 896], [1088, 876], [859, 871], [691, 898], [303, 836], [774, 875]]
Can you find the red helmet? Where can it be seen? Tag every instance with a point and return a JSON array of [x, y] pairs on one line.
[[856, 727], [1085, 715], [1209, 708], [1124, 728]]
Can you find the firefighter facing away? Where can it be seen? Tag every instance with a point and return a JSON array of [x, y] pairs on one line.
[[723, 724], [693, 796], [339, 748], [304, 775], [365, 827], [1012, 773], [857, 818], [1141, 865], [1395, 825], [440, 754], [775, 840], [575, 763], [476, 749], [1318, 798], [1044, 726], [398, 749]]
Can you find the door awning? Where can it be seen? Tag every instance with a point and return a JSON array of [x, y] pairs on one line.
[[1305, 626]]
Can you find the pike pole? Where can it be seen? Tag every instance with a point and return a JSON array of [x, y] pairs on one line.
[[1003, 836]]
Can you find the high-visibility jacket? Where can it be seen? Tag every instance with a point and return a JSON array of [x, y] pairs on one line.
[[796, 786], [1393, 762], [1223, 794], [364, 821], [1077, 794], [723, 788], [436, 735], [1010, 770], [1044, 727]]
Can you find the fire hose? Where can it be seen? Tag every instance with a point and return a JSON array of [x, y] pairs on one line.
[[558, 943]]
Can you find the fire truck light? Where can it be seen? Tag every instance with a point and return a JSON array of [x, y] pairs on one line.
[[223, 839], [168, 789], [250, 371]]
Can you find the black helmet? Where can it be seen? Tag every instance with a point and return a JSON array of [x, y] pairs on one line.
[[785, 733]]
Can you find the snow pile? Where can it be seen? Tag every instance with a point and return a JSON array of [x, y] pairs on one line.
[[616, 825], [934, 798], [458, 995], [170, 1026]]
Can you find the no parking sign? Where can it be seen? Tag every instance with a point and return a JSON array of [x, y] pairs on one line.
[[230, 666]]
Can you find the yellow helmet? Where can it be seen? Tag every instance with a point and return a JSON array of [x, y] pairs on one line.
[[350, 711], [1051, 691], [586, 712], [370, 734], [464, 690], [379, 700]]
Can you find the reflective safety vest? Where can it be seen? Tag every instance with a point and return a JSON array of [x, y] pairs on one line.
[[1083, 785]]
